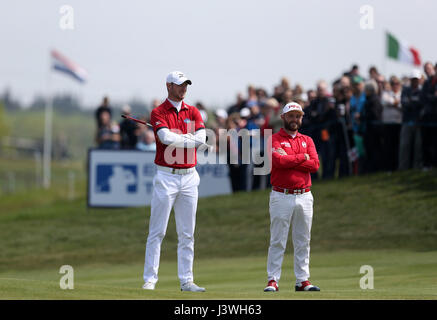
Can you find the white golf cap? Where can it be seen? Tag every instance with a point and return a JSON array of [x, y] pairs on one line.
[[126, 108], [416, 74], [221, 113], [245, 112], [178, 78], [292, 106]]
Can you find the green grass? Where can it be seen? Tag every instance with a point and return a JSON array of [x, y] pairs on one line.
[[386, 221], [76, 131], [397, 275], [27, 180]]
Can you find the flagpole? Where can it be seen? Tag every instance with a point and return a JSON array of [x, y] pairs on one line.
[[65, 65], [384, 56], [48, 124]]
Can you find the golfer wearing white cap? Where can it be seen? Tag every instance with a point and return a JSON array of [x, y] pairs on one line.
[[294, 157], [177, 126]]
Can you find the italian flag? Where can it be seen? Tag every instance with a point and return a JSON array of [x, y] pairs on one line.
[[402, 51]]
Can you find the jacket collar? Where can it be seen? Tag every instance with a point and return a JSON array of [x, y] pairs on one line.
[[284, 133], [169, 105]]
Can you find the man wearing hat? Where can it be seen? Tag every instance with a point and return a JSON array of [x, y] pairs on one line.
[[410, 145], [179, 130], [294, 157]]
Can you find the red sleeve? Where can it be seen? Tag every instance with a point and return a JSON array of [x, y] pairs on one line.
[[158, 120], [197, 118], [286, 161], [313, 164]]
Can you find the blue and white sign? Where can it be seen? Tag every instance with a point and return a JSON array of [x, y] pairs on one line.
[[124, 178]]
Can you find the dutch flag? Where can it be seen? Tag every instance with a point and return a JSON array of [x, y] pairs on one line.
[[61, 63]]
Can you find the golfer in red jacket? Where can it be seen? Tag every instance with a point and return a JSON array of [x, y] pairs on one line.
[[294, 157]]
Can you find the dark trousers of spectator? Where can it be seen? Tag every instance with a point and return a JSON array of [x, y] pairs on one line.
[[341, 153], [315, 135], [327, 153], [315, 175], [244, 178], [260, 181], [240, 179], [429, 144], [373, 145], [344, 169], [234, 174], [391, 136], [410, 147]]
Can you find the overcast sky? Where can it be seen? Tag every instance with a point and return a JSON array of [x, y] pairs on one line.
[[128, 47]]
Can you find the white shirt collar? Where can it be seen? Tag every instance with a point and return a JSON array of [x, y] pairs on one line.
[[293, 135], [177, 105]]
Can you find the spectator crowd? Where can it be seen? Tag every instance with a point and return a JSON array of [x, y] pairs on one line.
[[360, 124]]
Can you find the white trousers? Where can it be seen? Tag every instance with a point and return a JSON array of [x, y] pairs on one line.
[[297, 210], [179, 192]]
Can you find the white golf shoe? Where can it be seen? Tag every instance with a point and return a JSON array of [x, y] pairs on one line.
[[149, 286], [191, 286]]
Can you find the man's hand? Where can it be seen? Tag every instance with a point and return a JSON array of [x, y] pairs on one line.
[[281, 151], [205, 146], [189, 136]]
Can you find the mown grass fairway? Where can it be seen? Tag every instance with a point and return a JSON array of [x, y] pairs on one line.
[[398, 275], [386, 221]]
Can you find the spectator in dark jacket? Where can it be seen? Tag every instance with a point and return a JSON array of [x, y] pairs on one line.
[[104, 107], [322, 116], [429, 70], [239, 104], [392, 120], [410, 148], [128, 130], [372, 116], [108, 136], [325, 126], [343, 130], [429, 122]]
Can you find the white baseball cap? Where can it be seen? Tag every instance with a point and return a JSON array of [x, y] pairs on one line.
[[126, 109], [416, 74], [245, 112], [292, 106], [178, 78], [222, 113]]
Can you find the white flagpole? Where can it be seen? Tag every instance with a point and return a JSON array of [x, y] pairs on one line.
[[47, 153], [384, 57]]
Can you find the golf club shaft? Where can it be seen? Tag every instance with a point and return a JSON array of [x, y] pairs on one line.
[[148, 124], [136, 120]]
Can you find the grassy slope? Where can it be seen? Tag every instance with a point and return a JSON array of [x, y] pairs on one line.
[[78, 129], [41, 231]]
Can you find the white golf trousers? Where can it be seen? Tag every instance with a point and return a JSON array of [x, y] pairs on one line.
[[297, 210], [178, 191]]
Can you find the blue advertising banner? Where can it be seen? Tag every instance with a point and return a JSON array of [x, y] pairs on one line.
[[124, 178]]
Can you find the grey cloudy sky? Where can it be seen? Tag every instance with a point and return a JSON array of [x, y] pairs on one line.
[[128, 47]]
